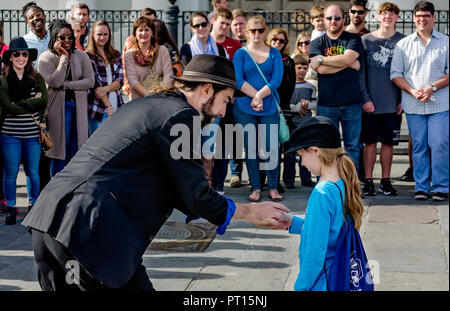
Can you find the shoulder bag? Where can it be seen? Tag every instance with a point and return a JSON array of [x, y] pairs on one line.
[[284, 129]]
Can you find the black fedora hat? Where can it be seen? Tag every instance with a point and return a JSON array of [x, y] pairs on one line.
[[318, 131], [19, 44], [209, 68]]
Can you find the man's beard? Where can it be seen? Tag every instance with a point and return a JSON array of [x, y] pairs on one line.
[[338, 29], [207, 115], [357, 21]]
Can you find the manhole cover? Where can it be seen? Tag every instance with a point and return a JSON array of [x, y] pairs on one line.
[[181, 237]]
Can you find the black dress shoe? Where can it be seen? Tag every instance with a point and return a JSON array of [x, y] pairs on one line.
[[11, 216]]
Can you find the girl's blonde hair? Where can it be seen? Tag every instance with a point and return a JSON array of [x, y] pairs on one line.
[[300, 36], [353, 203], [275, 32], [255, 20]]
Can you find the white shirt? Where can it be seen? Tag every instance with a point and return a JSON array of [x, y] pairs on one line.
[[34, 42], [111, 95], [420, 66]]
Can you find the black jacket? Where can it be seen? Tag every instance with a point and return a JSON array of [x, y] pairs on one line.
[[109, 202]]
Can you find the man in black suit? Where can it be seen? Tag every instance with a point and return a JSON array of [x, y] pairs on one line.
[[102, 211]]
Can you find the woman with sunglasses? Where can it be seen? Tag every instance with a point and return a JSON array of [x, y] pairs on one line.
[[278, 38], [302, 44], [69, 75], [147, 64], [201, 42], [105, 98], [259, 107], [23, 97]]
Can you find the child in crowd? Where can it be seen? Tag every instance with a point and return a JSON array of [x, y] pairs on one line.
[[302, 101], [334, 200], [318, 21]]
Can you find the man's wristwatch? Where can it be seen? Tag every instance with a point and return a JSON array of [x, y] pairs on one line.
[[434, 88], [320, 60]]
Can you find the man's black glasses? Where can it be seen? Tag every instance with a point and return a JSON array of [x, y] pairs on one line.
[[336, 18]]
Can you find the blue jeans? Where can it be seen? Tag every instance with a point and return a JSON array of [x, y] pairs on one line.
[[94, 124], [14, 149], [430, 131], [252, 150], [71, 139], [350, 118]]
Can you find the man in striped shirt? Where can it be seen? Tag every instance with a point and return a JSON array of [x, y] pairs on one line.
[[420, 68]]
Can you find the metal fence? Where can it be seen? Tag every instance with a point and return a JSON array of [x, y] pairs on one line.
[[121, 22]]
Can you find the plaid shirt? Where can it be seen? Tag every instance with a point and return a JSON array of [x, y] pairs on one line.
[[96, 108]]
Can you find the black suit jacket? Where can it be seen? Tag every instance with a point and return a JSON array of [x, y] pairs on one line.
[[118, 190]]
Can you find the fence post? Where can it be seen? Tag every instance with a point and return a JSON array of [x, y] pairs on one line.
[[171, 18]]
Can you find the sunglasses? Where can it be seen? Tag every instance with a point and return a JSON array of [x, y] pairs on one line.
[[16, 54], [203, 25], [69, 37], [282, 41], [360, 12], [304, 43], [260, 30], [336, 18]]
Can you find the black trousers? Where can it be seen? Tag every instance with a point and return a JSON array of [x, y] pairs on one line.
[[56, 270]]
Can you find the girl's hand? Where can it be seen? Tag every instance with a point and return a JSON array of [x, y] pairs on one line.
[[100, 92], [109, 110], [305, 103], [60, 50]]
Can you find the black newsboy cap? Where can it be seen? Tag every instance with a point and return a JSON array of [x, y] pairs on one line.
[[318, 131]]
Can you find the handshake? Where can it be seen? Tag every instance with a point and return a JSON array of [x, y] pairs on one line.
[[265, 214]]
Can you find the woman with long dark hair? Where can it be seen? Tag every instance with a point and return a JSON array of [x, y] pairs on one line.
[[105, 98], [69, 75], [23, 97]]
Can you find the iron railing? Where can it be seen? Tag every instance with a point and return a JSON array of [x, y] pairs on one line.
[[121, 22]]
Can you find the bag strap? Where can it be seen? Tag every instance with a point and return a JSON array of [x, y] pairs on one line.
[[35, 121], [263, 76], [324, 267]]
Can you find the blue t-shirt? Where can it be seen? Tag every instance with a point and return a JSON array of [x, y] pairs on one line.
[[341, 88], [246, 71], [319, 233]]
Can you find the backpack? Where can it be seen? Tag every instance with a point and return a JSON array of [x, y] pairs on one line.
[[350, 269]]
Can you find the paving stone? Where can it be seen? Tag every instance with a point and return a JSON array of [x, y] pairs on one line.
[[403, 214]]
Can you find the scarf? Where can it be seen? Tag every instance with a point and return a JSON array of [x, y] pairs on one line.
[[197, 46], [19, 89], [148, 58]]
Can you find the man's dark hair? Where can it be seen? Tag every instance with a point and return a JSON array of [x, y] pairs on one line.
[[424, 6], [30, 5], [54, 29], [362, 3], [148, 12]]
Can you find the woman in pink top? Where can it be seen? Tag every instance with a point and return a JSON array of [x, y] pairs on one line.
[[3, 46], [146, 58]]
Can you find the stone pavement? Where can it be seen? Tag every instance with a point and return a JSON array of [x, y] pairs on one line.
[[407, 239]]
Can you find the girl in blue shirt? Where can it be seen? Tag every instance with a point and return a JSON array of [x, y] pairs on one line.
[[317, 141], [259, 106]]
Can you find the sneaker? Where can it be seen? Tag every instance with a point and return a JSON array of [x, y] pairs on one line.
[[440, 196], [11, 216], [235, 182], [369, 188], [3, 206], [421, 195], [308, 183], [408, 176], [222, 193], [386, 187], [289, 186]]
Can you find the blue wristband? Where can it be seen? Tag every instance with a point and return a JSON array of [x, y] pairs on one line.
[[231, 208]]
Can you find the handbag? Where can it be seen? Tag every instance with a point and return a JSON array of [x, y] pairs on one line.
[[44, 136], [283, 133], [152, 79], [350, 269]]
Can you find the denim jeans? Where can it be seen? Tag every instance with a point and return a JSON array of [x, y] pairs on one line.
[[14, 149], [94, 124], [71, 139], [252, 148], [430, 131], [350, 118]]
